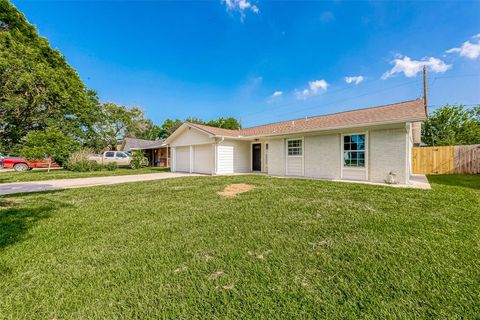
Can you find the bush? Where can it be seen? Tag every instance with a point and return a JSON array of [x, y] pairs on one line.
[[50, 143], [79, 161], [84, 166], [112, 166], [138, 160], [79, 155]]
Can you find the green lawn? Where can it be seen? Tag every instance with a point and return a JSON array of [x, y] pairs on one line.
[[37, 175], [290, 248]]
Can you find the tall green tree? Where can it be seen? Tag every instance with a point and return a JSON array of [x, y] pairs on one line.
[[452, 125], [117, 122], [150, 131], [38, 88], [194, 120], [225, 123], [169, 126]]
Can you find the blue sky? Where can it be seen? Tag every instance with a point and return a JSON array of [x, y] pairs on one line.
[[265, 61]]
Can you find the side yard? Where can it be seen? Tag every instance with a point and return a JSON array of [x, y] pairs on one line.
[[39, 175], [288, 248]]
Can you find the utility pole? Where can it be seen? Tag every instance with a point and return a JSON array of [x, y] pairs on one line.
[[425, 98]]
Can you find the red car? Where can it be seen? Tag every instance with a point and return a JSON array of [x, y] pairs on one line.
[[22, 164]]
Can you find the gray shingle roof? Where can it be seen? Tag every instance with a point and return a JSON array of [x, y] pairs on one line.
[[397, 112], [136, 144]]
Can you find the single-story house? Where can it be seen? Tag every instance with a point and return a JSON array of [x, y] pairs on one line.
[[372, 144], [157, 151]]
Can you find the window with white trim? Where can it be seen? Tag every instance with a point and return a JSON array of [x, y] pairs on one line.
[[354, 150], [295, 147]]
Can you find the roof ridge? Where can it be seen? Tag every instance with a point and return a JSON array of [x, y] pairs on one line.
[[205, 125]]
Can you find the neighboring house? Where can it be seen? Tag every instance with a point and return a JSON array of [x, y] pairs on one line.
[[366, 144], [157, 152]]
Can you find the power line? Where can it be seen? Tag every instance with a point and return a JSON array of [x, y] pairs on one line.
[[295, 103], [350, 98], [342, 100]]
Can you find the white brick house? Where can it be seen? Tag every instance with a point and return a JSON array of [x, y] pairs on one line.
[[367, 145]]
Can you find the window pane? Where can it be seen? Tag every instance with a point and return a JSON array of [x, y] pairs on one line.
[[361, 138], [294, 147], [346, 158], [354, 158], [110, 154], [354, 142]]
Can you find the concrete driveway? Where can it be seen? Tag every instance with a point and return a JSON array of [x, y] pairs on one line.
[[48, 185]]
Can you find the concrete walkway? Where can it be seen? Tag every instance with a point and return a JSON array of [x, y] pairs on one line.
[[60, 184]]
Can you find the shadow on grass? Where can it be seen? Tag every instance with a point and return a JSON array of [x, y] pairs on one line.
[[15, 220], [471, 181]]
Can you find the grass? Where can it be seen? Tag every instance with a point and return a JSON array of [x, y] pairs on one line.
[[38, 175], [289, 248]]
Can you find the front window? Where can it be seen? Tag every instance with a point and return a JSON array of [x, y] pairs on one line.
[[354, 150], [295, 147], [121, 155]]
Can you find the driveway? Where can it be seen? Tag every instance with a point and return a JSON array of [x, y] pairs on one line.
[[48, 185]]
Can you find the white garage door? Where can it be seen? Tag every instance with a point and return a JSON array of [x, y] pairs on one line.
[[225, 159], [203, 158], [182, 159]]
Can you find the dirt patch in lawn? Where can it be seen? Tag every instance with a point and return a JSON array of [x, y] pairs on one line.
[[8, 203], [233, 190]]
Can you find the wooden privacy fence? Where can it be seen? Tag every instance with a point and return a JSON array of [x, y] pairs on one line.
[[447, 159]]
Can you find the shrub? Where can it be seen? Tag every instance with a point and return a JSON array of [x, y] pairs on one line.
[[79, 161], [84, 166], [49, 143], [138, 160], [79, 155], [112, 166]]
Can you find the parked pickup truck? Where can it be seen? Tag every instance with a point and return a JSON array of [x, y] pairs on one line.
[[121, 158], [22, 164]]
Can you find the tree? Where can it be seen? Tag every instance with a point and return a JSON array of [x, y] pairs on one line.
[[51, 143], [38, 88], [452, 125], [169, 126], [225, 123], [117, 122], [150, 132]]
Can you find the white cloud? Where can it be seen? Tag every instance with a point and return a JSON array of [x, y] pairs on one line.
[[241, 6], [314, 88], [354, 79], [327, 16], [277, 94], [468, 49], [410, 68]]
